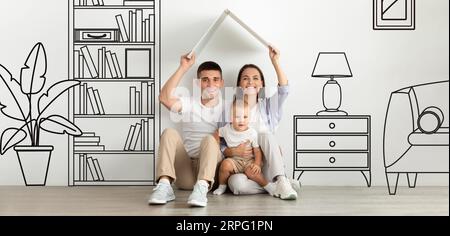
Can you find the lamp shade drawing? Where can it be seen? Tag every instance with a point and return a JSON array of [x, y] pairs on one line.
[[332, 65]]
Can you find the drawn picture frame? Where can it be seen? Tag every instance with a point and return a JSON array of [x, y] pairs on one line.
[[394, 15], [138, 63]]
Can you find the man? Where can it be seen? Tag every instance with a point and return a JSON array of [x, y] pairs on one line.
[[190, 161]]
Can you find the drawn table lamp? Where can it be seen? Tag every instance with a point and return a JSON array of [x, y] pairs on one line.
[[332, 65]]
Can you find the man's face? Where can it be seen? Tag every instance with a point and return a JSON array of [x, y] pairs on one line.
[[210, 83]]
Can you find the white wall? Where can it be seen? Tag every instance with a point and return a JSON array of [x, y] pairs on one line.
[[23, 23], [381, 61]]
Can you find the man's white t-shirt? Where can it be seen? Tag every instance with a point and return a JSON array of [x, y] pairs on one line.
[[198, 121], [234, 138]]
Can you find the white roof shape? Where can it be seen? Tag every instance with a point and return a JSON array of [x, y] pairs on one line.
[[213, 28]]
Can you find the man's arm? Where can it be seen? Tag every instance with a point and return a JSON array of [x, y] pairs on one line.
[[166, 96]]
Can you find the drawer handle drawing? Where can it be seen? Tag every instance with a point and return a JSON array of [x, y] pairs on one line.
[[97, 36], [332, 160], [332, 125], [332, 143]]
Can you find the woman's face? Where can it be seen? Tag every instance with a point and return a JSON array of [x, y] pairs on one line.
[[251, 81]]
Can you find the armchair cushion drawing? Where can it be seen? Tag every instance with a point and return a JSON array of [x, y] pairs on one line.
[[416, 133]]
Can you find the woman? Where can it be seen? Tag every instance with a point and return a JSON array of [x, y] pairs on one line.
[[265, 115]]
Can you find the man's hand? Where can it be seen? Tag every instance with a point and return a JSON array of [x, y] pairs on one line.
[[166, 96], [243, 150], [186, 63]]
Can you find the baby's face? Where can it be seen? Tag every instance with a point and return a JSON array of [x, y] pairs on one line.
[[240, 118]]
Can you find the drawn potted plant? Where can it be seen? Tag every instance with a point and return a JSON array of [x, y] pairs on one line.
[[25, 102]]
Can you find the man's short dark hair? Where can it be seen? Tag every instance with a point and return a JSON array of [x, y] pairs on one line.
[[209, 65]]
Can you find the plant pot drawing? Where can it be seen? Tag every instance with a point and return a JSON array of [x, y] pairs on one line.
[[34, 163], [26, 102]]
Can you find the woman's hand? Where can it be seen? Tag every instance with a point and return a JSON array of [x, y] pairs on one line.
[[243, 150], [275, 58], [186, 63], [274, 54]]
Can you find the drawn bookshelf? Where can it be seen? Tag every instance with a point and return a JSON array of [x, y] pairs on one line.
[[114, 51]]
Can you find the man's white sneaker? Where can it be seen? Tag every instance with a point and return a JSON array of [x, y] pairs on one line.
[[162, 194], [198, 196], [284, 190]]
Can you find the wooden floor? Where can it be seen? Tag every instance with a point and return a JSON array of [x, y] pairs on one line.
[[132, 201]]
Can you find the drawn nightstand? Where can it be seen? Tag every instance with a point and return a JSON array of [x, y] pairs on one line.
[[332, 143]]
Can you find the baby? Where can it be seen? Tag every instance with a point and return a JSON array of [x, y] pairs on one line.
[[236, 133]]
